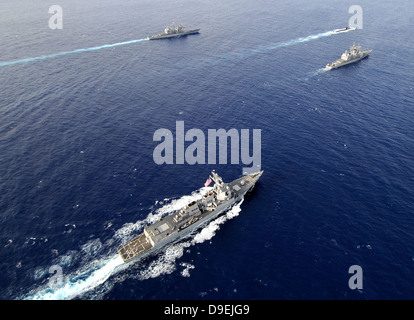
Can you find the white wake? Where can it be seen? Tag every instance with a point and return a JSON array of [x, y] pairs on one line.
[[93, 274], [64, 53]]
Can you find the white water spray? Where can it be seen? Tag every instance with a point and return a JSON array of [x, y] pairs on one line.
[[94, 274], [315, 73], [248, 53], [81, 282], [54, 55]]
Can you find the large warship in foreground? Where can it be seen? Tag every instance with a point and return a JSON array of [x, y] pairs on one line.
[[175, 226], [355, 54], [173, 32]]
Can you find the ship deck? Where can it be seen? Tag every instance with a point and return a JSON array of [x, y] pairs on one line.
[[134, 248], [172, 35], [167, 226]]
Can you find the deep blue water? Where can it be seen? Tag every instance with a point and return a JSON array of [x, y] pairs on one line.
[[78, 178]]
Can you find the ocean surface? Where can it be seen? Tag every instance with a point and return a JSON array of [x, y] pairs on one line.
[[79, 107]]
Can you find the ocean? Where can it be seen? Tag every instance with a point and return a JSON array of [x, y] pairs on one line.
[[79, 107]]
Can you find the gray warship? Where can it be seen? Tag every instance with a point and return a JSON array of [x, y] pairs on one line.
[[355, 54], [177, 225], [173, 31], [346, 29]]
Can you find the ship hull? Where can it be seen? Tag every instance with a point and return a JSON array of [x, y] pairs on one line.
[[179, 235], [181, 223], [344, 30], [175, 35], [341, 64]]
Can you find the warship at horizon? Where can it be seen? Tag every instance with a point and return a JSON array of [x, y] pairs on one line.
[[346, 29], [173, 31], [355, 54], [171, 228]]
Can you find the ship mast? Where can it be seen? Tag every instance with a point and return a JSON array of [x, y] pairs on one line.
[[217, 179]]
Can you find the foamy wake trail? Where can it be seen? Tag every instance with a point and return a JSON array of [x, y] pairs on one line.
[[95, 273], [247, 53], [315, 73], [54, 55], [80, 282]]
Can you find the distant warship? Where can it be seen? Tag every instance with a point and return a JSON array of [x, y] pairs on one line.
[[355, 54], [173, 32], [346, 29], [175, 226]]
